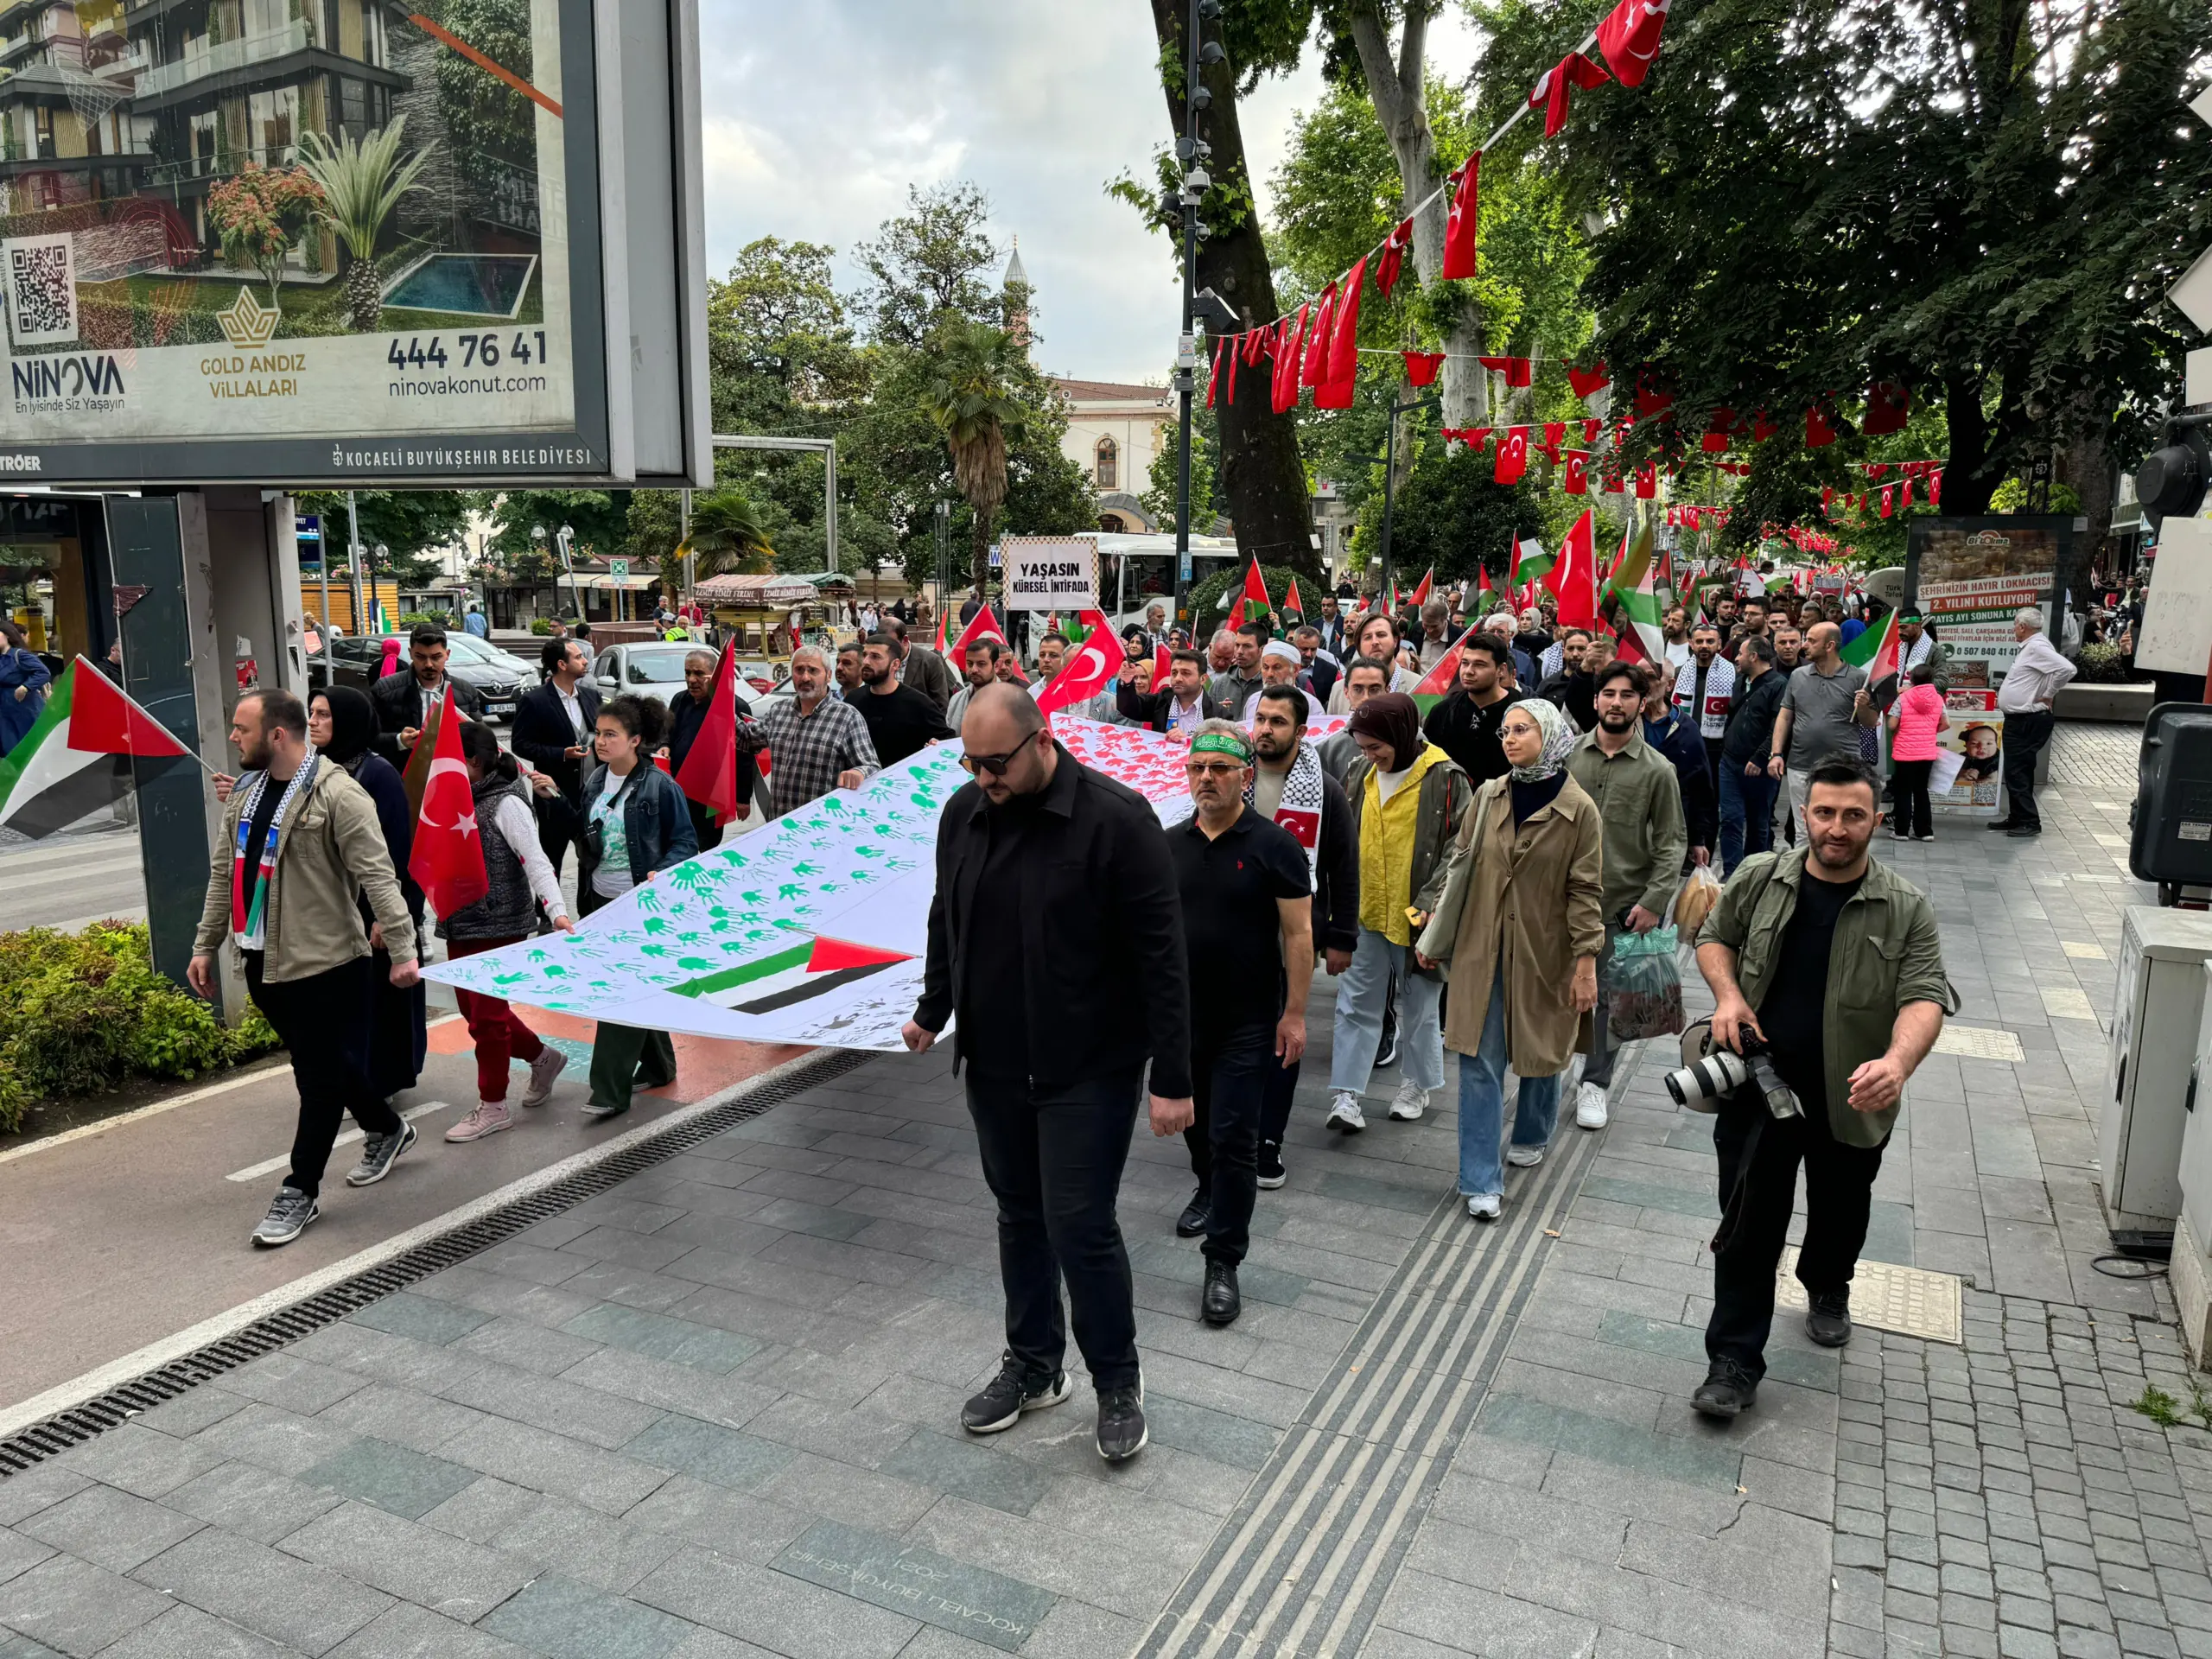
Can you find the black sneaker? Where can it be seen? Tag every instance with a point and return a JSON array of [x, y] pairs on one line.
[[1192, 1221], [1220, 1302], [378, 1154], [1009, 1394], [1727, 1390], [1997, 825], [1827, 1321], [1122, 1432], [1271, 1170], [1387, 1054]]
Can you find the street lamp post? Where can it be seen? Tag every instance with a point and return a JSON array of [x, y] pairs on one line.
[[1192, 150], [1388, 460]]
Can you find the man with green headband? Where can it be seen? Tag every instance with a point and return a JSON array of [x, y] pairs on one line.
[[1247, 892]]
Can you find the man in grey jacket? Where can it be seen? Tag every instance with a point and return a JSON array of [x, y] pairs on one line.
[[301, 844]]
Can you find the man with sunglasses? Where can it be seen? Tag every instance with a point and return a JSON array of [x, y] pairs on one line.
[[1056, 939]]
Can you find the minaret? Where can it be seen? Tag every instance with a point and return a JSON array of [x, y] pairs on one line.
[[1015, 291]]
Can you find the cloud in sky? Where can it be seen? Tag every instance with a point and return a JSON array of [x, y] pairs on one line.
[[818, 117]]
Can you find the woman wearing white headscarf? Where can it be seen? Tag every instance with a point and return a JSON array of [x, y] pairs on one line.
[[1521, 922]]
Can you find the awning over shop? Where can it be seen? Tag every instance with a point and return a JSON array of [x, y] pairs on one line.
[[763, 591]]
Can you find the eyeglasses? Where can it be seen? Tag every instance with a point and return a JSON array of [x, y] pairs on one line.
[[1212, 768], [993, 764]]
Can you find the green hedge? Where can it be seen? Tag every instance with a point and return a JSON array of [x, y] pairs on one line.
[[84, 1012]]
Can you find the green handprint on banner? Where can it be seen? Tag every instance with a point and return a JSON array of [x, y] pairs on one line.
[[647, 898], [790, 890], [653, 950], [806, 870], [656, 925]]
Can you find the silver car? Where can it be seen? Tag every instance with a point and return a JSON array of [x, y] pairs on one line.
[[656, 669]]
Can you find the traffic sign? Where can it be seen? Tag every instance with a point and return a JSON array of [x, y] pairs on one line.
[[618, 567]]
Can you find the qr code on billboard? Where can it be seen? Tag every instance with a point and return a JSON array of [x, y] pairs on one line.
[[42, 289]]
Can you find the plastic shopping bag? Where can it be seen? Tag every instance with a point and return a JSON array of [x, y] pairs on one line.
[[1644, 989], [1700, 893]]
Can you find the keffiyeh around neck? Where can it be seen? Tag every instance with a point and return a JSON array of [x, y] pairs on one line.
[[1560, 739]]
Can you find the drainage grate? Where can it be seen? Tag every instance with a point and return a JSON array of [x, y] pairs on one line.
[[57, 1434]]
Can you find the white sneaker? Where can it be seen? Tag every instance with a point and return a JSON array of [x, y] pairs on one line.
[[1524, 1157], [1590, 1107], [549, 1064], [1487, 1207], [1345, 1114], [489, 1118], [1409, 1103]]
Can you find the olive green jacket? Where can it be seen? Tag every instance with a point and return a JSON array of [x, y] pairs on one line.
[[1886, 953], [331, 853], [1639, 801]]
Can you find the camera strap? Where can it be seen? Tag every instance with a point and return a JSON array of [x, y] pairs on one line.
[[1732, 1215]]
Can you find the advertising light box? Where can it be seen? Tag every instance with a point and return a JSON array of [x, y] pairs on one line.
[[351, 241]]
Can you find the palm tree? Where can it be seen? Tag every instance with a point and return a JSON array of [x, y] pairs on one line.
[[970, 370], [726, 538], [361, 185]]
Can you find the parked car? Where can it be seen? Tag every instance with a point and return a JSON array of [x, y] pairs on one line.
[[499, 677], [657, 670]]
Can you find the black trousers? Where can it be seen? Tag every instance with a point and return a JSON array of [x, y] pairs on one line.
[[2024, 736], [1764, 1153], [557, 821], [1914, 816], [1275, 1108], [1052, 1156], [325, 1022], [1229, 1088], [704, 824]]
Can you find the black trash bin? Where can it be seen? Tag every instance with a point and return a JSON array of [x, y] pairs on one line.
[[2169, 839]]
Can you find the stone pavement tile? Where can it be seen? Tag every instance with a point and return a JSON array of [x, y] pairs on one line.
[[540, 1264], [423, 1319], [40, 1487], [848, 1434], [968, 1469], [726, 1457], [19, 1554], [736, 1524], [139, 1460], [187, 1633], [275, 1594], [76, 1608], [775, 1609], [105, 1526], [191, 1411], [293, 1382], [619, 1244], [1219, 1436], [672, 1385], [659, 1336], [566, 1620], [904, 1578], [402, 1362], [1074, 1629], [253, 1501], [545, 1462], [407, 1631], [1453, 1615], [397, 1480], [268, 1435], [1460, 1553], [554, 1535], [13, 1646], [848, 1492], [1129, 1578], [1713, 1465], [770, 1320], [404, 1416], [432, 1569], [1540, 1519], [552, 1403], [1786, 1570], [526, 1345], [1111, 1510]]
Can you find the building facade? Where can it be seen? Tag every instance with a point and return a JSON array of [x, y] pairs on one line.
[[1114, 433]]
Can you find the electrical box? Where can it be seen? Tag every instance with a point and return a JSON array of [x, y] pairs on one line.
[[2196, 1130], [2157, 1017]]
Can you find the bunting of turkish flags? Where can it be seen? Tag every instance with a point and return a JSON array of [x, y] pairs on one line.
[[1888, 404], [1518, 371], [1590, 430], [1512, 455], [1421, 368], [1558, 84], [1287, 345], [1461, 225], [1818, 432], [1394, 255], [1577, 472], [1889, 500], [1555, 436], [1317, 340], [1936, 488], [1630, 38], [1762, 427], [1647, 482], [1342, 374], [1585, 381], [1213, 381], [1649, 400]]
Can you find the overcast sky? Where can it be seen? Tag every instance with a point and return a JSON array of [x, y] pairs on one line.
[[819, 116]]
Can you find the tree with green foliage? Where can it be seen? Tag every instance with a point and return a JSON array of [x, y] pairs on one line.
[[967, 392], [725, 536], [361, 185], [1453, 516], [1983, 206], [494, 127], [411, 524], [781, 348], [930, 262], [599, 518]]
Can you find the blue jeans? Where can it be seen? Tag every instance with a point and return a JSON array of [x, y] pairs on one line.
[[1746, 814], [1360, 994], [1482, 1104]]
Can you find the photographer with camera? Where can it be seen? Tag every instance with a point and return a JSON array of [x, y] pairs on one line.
[[1828, 977]]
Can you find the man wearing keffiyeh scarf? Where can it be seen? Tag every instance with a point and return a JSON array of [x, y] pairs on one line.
[[1290, 785]]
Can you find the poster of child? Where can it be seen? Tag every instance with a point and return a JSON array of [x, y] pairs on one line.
[[1977, 736]]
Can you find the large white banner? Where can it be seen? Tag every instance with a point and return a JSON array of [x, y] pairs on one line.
[[1051, 573]]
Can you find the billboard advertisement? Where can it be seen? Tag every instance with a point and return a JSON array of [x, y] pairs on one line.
[[1969, 575], [312, 241]]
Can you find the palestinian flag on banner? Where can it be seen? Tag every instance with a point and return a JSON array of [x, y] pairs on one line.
[[77, 758], [1636, 586], [1875, 652]]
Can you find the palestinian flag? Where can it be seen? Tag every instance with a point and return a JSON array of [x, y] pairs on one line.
[[1438, 683], [1292, 606], [1875, 652], [1255, 596], [1420, 593], [1531, 562], [78, 758], [1635, 585]]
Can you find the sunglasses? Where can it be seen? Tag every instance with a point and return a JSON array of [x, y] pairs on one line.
[[993, 764]]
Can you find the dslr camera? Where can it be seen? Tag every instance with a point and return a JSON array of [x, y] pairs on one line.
[[1703, 1083]]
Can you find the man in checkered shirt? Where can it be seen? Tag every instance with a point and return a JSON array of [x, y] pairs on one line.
[[816, 743]]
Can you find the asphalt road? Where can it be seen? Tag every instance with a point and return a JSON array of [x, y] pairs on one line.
[[89, 874]]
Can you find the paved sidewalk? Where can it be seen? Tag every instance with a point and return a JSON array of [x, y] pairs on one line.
[[713, 1413]]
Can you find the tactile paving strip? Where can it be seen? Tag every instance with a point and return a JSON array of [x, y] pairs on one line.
[[1911, 1301], [1981, 1043]]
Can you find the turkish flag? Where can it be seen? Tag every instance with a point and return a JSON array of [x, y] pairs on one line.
[[708, 774], [447, 858], [1512, 455], [1340, 374], [984, 626], [1088, 670], [1462, 223], [1647, 482], [1818, 432], [1555, 436], [1888, 406], [1317, 340], [1630, 38], [1518, 371], [1394, 255], [1573, 577], [1421, 368], [1577, 472], [1557, 84], [1585, 381]]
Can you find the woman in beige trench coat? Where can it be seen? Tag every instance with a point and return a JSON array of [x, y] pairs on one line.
[[1520, 921]]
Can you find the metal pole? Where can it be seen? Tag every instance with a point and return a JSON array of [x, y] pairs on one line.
[[830, 501], [690, 558], [353, 556], [1183, 374], [1389, 492], [322, 566]]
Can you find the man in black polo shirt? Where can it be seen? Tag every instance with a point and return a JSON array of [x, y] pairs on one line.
[[900, 719], [1247, 916], [1465, 725]]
